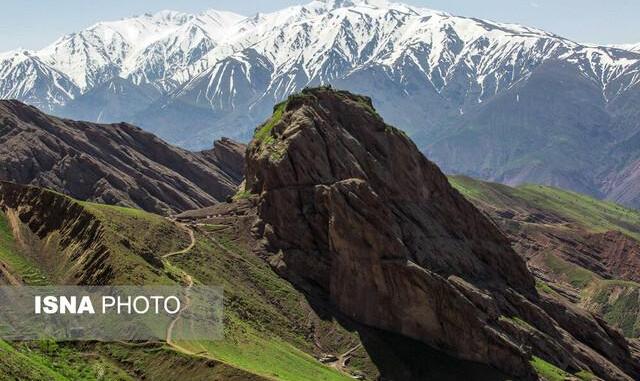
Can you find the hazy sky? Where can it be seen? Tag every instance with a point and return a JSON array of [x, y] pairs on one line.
[[32, 24]]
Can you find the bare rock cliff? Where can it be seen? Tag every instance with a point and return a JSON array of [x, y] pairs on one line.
[[348, 205]]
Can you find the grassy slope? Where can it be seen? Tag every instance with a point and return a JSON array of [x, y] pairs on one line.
[[15, 365], [263, 313], [35, 361], [19, 264], [134, 235], [550, 372], [617, 301], [131, 235], [163, 364], [592, 214], [258, 335]]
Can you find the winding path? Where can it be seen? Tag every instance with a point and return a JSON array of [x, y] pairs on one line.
[[339, 364], [186, 249], [189, 280], [186, 305]]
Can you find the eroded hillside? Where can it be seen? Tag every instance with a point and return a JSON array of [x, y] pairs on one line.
[[116, 164], [581, 249]]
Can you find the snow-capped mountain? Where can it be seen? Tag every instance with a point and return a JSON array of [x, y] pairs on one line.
[[179, 55], [24, 76], [109, 49], [318, 42], [447, 80], [630, 47]]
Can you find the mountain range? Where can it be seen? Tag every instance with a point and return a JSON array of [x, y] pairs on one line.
[[502, 102]]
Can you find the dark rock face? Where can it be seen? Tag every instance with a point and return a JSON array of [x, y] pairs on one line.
[[113, 164], [349, 205], [228, 155]]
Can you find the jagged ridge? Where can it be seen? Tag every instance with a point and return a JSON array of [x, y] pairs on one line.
[[113, 164]]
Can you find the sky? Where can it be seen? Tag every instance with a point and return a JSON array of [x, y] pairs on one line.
[[33, 24]]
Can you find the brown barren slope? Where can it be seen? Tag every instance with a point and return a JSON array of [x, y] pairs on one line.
[[112, 163]]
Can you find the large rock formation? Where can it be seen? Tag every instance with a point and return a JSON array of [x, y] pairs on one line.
[[113, 164], [349, 206]]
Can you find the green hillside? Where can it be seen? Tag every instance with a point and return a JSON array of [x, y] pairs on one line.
[[46, 360], [265, 316], [618, 301], [23, 266], [18, 366], [591, 213]]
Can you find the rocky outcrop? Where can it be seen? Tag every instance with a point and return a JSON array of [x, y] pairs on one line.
[[349, 206], [227, 155], [619, 254], [112, 164]]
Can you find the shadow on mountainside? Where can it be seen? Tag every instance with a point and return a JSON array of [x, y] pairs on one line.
[[399, 358]]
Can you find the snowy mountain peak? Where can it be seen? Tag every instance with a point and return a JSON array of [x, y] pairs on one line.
[[17, 54], [631, 47], [332, 4], [168, 17], [321, 41]]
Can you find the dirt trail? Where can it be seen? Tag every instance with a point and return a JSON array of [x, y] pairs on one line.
[[345, 357], [186, 305], [340, 362], [189, 280], [192, 237]]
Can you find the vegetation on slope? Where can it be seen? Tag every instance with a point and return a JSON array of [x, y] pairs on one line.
[[595, 215], [548, 371], [259, 336], [18, 366], [137, 240], [264, 315], [20, 265], [47, 360], [617, 301], [82, 242]]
